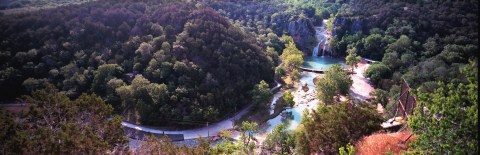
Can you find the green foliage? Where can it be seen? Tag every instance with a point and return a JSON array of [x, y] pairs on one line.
[[350, 150], [296, 75], [352, 58], [379, 96], [225, 148], [377, 71], [56, 124], [326, 90], [153, 145], [340, 124], [287, 99], [292, 57], [32, 84], [420, 42], [335, 83], [142, 95], [374, 46], [280, 140], [261, 94], [199, 65], [449, 122], [248, 129], [280, 71], [226, 134], [287, 40], [104, 74]]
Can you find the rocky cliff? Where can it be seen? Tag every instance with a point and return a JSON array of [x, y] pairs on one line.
[[303, 34], [353, 25]]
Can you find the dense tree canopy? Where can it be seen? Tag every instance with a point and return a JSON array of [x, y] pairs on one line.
[[335, 83], [450, 119], [168, 61], [56, 124], [418, 41], [340, 124]]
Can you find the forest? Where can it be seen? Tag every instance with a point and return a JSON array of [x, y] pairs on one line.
[[182, 53], [85, 67]]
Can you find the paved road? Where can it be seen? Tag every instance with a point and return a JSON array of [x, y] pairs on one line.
[[212, 129]]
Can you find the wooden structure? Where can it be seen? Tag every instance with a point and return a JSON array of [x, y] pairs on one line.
[[405, 105], [311, 70], [322, 71], [369, 60]]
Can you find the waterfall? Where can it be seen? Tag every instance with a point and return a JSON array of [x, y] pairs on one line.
[[323, 51], [315, 51], [322, 37], [324, 46]]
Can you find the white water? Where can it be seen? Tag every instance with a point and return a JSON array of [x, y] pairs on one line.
[[303, 100], [322, 37]]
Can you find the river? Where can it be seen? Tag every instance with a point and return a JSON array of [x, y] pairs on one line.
[[303, 100]]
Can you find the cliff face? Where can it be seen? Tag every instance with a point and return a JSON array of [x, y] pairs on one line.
[[341, 25], [352, 25], [303, 34]]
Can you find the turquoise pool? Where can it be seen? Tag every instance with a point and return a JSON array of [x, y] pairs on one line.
[[322, 63]]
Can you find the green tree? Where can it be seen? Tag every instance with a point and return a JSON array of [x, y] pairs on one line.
[[249, 129], [449, 123], [261, 94], [55, 124], [326, 90], [225, 147], [377, 71], [158, 92], [287, 99], [335, 83], [374, 46], [103, 74], [350, 150], [292, 57], [32, 84], [127, 97], [340, 124], [296, 75], [280, 72], [287, 39], [380, 96], [352, 58], [280, 140]]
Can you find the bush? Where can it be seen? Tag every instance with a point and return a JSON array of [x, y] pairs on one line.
[[377, 71]]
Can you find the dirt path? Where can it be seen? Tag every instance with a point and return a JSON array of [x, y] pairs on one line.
[[361, 86]]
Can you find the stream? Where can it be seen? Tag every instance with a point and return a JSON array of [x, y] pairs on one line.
[[303, 100]]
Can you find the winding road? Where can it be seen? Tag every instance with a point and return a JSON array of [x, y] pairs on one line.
[[212, 129]]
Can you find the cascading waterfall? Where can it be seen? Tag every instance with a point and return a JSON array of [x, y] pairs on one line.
[[322, 38], [315, 50], [324, 46], [323, 51]]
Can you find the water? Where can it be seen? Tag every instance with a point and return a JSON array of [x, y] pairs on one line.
[[307, 100], [322, 63], [322, 37], [315, 50], [304, 100]]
